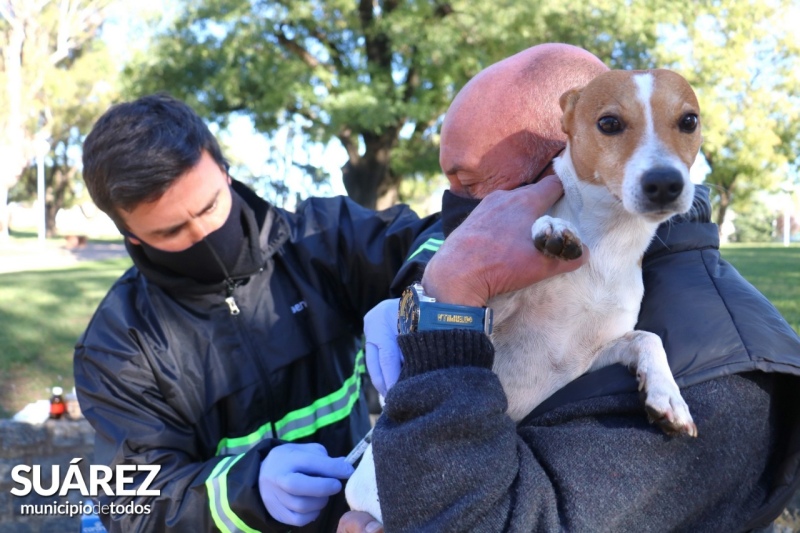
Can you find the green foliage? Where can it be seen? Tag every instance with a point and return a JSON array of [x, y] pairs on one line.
[[380, 79], [743, 59], [424, 196], [74, 98], [377, 79], [56, 78], [754, 223]]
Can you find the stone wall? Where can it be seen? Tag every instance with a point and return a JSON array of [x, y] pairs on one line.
[[56, 442]]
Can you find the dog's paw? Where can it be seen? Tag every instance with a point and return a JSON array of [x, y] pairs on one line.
[[668, 410], [555, 237]]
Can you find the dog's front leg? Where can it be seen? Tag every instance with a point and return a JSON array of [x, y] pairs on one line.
[[643, 353]]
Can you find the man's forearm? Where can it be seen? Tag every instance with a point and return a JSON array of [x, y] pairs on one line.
[[445, 418]]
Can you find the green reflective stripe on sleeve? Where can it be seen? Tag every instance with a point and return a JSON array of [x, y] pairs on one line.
[[237, 445], [323, 412], [308, 420], [217, 486], [431, 245]]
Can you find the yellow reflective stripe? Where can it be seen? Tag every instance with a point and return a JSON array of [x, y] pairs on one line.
[[431, 245], [212, 497]]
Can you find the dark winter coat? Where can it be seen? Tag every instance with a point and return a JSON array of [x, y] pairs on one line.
[[168, 376]]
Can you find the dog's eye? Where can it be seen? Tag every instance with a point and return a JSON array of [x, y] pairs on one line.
[[688, 123], [609, 125]]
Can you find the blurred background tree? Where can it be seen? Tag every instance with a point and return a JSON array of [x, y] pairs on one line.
[[72, 98], [375, 75], [370, 81], [743, 59], [42, 41]]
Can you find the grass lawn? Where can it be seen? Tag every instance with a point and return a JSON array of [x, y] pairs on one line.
[[42, 314], [774, 270]]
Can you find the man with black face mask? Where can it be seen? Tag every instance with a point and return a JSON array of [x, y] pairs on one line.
[[227, 356]]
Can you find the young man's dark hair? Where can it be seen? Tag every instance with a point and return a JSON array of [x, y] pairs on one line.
[[137, 150]]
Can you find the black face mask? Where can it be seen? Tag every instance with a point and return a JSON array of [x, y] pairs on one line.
[[455, 209], [212, 259]]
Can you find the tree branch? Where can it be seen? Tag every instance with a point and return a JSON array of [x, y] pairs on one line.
[[378, 45], [442, 10], [293, 47], [336, 54], [412, 76], [8, 15], [76, 25]]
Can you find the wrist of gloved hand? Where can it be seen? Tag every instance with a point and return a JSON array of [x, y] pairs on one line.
[[382, 354], [296, 480]]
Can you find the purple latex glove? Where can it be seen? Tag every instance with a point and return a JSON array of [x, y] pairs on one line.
[[382, 353], [296, 480]]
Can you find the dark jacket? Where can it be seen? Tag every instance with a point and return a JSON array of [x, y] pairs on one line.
[[586, 459], [168, 376]]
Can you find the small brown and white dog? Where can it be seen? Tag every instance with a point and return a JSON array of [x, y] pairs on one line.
[[632, 138]]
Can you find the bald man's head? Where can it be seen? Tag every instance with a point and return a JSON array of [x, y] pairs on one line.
[[504, 126]]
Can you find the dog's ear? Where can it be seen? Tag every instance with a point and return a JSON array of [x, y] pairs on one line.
[[568, 101]]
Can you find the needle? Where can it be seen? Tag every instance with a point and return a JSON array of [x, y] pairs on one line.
[[359, 449]]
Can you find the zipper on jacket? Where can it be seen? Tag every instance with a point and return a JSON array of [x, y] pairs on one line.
[[231, 285], [229, 298], [254, 354]]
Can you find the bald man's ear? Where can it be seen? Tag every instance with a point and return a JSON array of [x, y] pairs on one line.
[[568, 101]]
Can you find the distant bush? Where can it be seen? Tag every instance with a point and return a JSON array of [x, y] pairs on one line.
[[754, 223]]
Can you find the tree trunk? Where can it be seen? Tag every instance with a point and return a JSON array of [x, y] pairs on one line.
[[12, 136], [368, 179], [361, 179], [724, 202], [50, 219], [370, 184], [3, 213], [57, 197]]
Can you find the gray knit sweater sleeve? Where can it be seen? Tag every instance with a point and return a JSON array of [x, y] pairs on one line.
[[447, 457]]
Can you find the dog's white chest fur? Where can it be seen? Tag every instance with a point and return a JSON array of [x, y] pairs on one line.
[[548, 334]]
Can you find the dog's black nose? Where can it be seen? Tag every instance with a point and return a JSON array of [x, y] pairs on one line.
[[662, 185]]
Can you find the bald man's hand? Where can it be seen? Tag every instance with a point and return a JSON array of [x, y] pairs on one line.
[[492, 251]]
